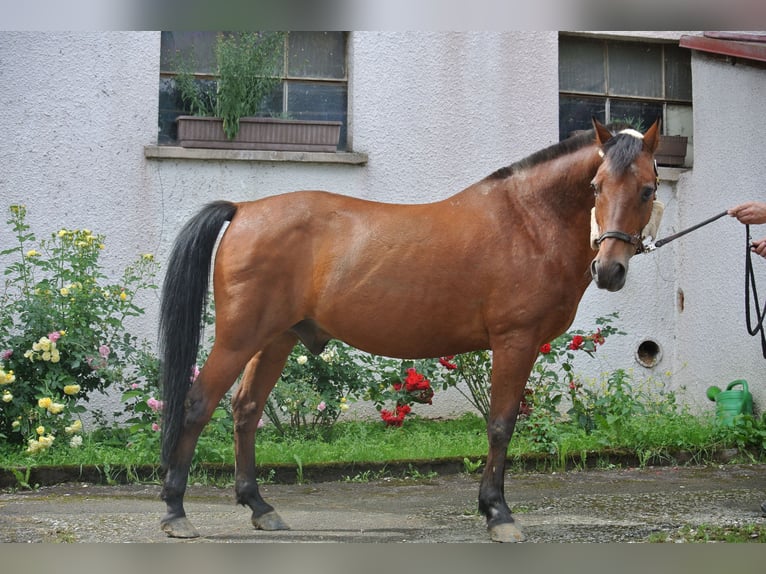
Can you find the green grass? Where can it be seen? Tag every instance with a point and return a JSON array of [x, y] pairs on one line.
[[653, 439], [711, 533]]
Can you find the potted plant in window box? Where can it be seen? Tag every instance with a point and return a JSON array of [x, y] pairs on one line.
[[228, 116]]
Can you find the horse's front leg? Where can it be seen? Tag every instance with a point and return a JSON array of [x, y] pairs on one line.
[[510, 370], [216, 377], [248, 402]]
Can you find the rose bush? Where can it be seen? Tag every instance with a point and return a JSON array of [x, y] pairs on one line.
[[62, 333]]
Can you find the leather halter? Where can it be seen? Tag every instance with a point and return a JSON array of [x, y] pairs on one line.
[[634, 240]]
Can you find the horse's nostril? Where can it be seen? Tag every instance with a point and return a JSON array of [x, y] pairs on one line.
[[610, 276]]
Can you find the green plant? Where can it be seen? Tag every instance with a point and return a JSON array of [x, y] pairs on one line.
[[247, 73], [314, 390], [403, 383], [62, 333], [552, 377]]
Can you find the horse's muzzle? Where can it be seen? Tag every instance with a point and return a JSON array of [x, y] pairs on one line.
[[609, 275]]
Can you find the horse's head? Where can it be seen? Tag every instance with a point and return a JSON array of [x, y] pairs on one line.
[[625, 186]]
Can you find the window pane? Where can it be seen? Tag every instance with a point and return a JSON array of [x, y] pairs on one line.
[[581, 65], [640, 115], [317, 55], [197, 48], [635, 69], [575, 113], [316, 101], [678, 74]]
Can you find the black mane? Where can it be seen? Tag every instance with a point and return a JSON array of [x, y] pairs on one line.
[[621, 151]]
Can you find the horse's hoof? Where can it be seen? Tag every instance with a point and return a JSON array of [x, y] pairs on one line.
[[179, 528], [506, 532], [269, 521]]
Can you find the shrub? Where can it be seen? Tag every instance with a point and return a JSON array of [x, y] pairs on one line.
[[62, 333]]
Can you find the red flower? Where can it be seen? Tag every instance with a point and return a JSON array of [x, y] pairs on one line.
[[395, 419], [414, 381], [598, 338], [576, 342], [447, 363], [545, 349]]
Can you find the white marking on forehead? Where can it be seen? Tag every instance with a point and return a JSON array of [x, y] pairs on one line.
[[633, 133]]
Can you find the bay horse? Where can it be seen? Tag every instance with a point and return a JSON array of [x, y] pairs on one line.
[[501, 265]]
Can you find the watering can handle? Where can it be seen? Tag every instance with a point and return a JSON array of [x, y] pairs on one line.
[[738, 382]]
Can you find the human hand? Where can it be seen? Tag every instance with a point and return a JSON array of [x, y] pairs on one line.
[[759, 247], [751, 212]]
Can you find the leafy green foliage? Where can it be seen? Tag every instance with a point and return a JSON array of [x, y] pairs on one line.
[[248, 71], [62, 333]]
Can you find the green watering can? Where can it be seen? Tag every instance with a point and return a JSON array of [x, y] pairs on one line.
[[731, 402]]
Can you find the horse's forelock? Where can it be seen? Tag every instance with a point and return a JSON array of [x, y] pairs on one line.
[[622, 150]]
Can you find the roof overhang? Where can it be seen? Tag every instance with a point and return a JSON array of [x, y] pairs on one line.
[[745, 45]]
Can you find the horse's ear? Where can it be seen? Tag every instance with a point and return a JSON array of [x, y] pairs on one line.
[[652, 137], [602, 134]]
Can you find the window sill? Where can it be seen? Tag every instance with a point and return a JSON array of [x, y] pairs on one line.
[[671, 173], [177, 152]]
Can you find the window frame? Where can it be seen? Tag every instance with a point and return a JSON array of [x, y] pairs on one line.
[[287, 80], [608, 97]]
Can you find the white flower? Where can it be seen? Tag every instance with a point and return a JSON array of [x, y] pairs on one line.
[[329, 355], [75, 441], [302, 360]]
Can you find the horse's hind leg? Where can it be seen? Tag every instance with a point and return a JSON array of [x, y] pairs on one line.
[[248, 401], [217, 376]]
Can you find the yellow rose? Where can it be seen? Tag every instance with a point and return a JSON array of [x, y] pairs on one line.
[[75, 427], [123, 296], [47, 356], [55, 356], [71, 389], [44, 403], [15, 424], [64, 291], [62, 233], [55, 408], [46, 441], [7, 397], [40, 430]]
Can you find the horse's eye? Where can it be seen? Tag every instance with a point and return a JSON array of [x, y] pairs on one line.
[[647, 193]]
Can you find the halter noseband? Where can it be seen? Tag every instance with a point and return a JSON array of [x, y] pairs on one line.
[[634, 240]]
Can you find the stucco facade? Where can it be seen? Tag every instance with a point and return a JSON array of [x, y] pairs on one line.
[[433, 112]]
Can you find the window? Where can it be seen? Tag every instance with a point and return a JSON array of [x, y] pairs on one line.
[[623, 80], [314, 78]]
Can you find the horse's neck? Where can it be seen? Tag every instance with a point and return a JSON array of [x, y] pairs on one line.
[[563, 184]]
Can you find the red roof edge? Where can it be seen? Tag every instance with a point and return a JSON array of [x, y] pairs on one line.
[[747, 46]]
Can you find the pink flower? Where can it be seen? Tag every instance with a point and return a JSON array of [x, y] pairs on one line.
[[104, 351], [135, 386], [5, 355], [260, 423], [321, 406], [155, 427], [195, 373], [53, 337], [154, 404]]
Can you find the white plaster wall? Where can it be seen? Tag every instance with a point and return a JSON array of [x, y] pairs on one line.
[[712, 345]]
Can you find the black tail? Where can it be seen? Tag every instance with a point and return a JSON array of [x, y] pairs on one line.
[[184, 297]]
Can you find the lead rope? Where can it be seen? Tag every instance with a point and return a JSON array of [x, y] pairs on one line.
[[752, 301]]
